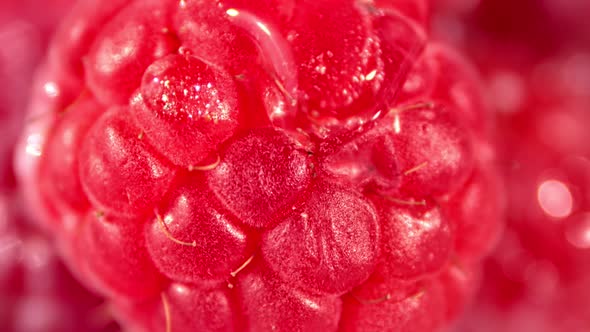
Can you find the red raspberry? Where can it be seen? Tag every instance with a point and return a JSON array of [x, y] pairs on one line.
[[240, 166]]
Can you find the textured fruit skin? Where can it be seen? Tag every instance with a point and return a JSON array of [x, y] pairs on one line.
[[257, 170]]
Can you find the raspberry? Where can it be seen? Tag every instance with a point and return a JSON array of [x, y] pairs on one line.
[[219, 166]]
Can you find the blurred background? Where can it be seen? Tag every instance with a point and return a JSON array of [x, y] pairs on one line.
[[534, 58], [37, 293]]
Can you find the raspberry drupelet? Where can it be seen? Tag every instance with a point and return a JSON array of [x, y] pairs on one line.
[[263, 166]]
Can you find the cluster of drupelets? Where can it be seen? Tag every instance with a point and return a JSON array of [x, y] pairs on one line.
[[208, 178], [238, 170]]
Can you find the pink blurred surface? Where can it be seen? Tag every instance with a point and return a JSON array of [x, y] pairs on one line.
[[37, 293], [535, 60]]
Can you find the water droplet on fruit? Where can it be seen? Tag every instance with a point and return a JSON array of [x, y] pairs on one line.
[[321, 68], [333, 64], [51, 89], [186, 108], [274, 47], [190, 96], [371, 75], [555, 198]]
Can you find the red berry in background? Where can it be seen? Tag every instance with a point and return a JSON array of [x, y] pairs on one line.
[[38, 294], [263, 166], [540, 267], [536, 77], [480, 26]]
